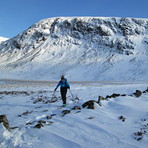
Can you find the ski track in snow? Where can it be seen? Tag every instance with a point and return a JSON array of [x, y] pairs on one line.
[[88, 128]]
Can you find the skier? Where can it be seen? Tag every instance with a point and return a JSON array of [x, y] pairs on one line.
[[63, 89]]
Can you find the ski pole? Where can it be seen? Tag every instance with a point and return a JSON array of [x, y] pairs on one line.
[[53, 94], [71, 94]]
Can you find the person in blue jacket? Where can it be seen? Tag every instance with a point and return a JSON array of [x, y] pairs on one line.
[[63, 89]]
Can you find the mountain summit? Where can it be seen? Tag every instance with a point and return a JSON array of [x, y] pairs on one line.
[[82, 48]]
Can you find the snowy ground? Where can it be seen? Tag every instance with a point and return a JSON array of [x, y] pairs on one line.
[[85, 128]]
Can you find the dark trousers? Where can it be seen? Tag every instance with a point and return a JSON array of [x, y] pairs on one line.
[[63, 94]]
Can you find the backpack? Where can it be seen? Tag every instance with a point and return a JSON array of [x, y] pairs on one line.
[[64, 83]]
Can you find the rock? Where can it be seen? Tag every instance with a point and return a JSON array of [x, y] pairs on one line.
[[91, 117], [100, 98], [14, 127], [25, 113], [89, 104], [77, 112], [145, 91], [14, 93], [138, 135], [38, 100], [122, 118], [29, 123], [48, 117], [113, 95], [53, 100], [104, 31], [38, 125], [64, 112], [41, 121], [76, 108], [45, 110], [123, 95], [53, 115], [138, 93], [4, 120]]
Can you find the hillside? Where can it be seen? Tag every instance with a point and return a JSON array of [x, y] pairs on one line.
[[3, 39], [82, 48]]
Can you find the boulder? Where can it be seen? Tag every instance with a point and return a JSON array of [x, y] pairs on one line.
[[64, 112], [89, 104], [138, 93], [4, 120], [39, 125]]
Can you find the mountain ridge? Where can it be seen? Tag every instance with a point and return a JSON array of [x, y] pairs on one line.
[[2, 39], [82, 48]]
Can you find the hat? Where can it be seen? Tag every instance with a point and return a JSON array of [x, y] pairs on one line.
[[62, 77]]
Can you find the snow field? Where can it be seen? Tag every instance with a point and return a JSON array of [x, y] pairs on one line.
[[84, 128]]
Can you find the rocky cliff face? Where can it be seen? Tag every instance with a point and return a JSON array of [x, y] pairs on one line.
[[100, 47]]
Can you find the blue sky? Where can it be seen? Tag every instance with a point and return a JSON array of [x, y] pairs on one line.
[[18, 15]]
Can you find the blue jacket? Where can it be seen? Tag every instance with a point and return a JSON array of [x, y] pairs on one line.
[[63, 84]]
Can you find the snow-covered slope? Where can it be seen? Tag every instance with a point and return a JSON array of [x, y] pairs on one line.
[[3, 39], [120, 122], [82, 48]]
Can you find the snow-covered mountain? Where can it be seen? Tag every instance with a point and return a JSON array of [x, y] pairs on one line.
[[3, 39], [82, 48]]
